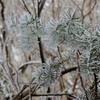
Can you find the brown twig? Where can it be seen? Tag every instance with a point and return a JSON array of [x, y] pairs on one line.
[[95, 84], [90, 9], [41, 50], [57, 94], [79, 73], [30, 96], [40, 7], [28, 63], [82, 11], [26, 7], [61, 78], [2, 9], [59, 52], [76, 5], [68, 70], [75, 83], [43, 60], [34, 7]]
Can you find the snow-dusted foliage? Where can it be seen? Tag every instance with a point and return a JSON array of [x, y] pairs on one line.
[[70, 31], [67, 29], [48, 74], [28, 28]]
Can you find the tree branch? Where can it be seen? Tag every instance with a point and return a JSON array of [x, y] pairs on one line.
[[40, 7], [90, 9], [41, 50], [57, 94], [26, 7], [2, 9], [78, 67], [76, 5], [95, 84]]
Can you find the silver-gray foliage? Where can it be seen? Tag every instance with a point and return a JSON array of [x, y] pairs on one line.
[[29, 28], [70, 31], [48, 74]]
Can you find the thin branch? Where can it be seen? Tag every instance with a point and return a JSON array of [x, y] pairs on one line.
[[28, 63], [19, 95], [34, 7], [40, 7], [43, 60], [30, 96], [53, 9], [90, 15], [2, 9], [59, 51], [75, 83], [41, 50], [95, 84], [58, 94], [76, 4], [78, 66], [90, 9], [26, 7], [83, 4], [68, 70], [82, 11]]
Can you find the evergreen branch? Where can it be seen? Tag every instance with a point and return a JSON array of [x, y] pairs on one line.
[[43, 60]]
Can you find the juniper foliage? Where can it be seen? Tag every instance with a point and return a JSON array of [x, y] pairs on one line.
[[70, 31]]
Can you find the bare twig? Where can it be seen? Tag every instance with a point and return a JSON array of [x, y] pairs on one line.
[[53, 9], [43, 60], [40, 6], [78, 67], [96, 88], [90, 15], [19, 95], [59, 51], [2, 9], [30, 96], [34, 7], [57, 94], [68, 70], [82, 11], [76, 4], [28, 63], [75, 83], [41, 50], [26, 7], [90, 9]]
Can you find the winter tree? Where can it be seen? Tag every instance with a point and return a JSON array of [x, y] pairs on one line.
[[49, 51]]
